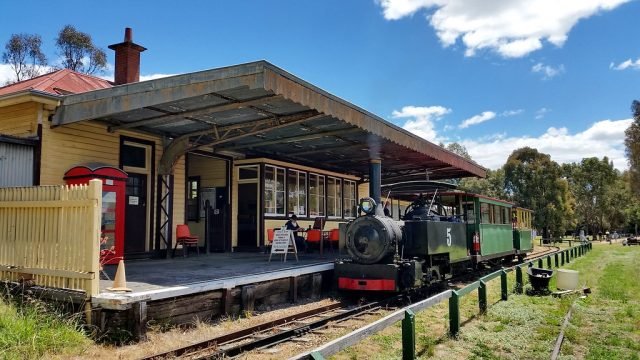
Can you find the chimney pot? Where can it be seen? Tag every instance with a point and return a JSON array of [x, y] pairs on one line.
[[128, 36]]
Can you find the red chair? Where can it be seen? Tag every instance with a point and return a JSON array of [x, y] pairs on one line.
[[314, 236], [184, 238], [334, 235]]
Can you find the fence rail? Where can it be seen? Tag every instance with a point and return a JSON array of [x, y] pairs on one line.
[[50, 235]]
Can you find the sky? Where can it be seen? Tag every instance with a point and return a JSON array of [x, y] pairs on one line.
[[493, 76]]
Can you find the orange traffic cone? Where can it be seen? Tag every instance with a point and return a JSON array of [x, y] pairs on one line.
[[120, 281]]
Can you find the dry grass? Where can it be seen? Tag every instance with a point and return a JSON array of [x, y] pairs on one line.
[[159, 341]]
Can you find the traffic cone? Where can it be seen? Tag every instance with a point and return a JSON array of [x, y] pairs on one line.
[[120, 280]]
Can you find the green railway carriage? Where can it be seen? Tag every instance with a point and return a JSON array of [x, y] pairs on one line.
[[522, 230], [489, 228]]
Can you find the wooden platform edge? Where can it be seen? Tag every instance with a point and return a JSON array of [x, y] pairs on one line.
[[123, 301]]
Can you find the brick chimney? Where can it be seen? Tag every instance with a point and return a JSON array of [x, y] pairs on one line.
[[127, 59]]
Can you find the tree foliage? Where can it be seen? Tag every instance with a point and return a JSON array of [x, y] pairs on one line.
[[492, 185], [632, 144], [24, 55], [78, 51], [534, 181]]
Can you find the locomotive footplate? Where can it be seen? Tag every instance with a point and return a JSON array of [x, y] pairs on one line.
[[375, 277]]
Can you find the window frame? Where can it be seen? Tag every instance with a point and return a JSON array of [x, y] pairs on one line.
[[337, 208], [324, 195], [299, 174], [354, 205], [190, 181], [275, 190]]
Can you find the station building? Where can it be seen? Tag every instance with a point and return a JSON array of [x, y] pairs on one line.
[[229, 151]]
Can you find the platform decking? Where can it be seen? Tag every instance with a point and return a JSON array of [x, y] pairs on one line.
[[152, 280]]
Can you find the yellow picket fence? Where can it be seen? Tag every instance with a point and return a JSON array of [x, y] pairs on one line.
[[51, 235]]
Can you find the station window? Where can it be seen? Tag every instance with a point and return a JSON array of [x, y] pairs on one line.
[[273, 190], [193, 199], [349, 199], [316, 195], [296, 192], [334, 197]]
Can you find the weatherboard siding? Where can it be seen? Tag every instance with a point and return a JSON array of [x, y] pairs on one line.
[[20, 120]]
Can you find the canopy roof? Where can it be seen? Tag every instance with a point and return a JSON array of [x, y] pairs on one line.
[[259, 110]]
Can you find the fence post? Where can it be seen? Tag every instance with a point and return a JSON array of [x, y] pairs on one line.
[[454, 314], [568, 255], [95, 193], [503, 285], [555, 258], [482, 297], [540, 263], [519, 284], [409, 336], [549, 261]]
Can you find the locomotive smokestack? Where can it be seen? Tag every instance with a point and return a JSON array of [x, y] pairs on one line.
[[375, 192]]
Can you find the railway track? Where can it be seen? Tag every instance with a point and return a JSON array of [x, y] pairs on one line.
[[274, 332]]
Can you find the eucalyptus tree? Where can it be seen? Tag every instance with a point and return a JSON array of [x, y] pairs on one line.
[[24, 55]]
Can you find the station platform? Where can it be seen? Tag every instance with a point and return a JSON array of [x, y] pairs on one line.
[[152, 280]]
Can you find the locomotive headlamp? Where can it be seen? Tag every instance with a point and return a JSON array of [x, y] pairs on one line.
[[368, 205]]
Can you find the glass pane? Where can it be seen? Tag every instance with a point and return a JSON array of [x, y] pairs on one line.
[[280, 202], [280, 179], [302, 193], [484, 211], [292, 192], [108, 228], [134, 156], [248, 173]]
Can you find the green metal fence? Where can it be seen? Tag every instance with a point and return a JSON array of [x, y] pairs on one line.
[[558, 259]]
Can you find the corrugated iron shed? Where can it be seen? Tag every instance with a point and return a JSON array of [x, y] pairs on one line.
[[260, 110]]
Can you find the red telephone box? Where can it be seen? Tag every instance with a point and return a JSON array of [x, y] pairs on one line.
[[114, 182]]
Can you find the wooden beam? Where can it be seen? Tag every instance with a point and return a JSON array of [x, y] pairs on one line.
[[328, 149], [295, 138], [167, 118], [177, 147]]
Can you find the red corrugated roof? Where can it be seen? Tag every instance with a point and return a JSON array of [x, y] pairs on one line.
[[60, 82]]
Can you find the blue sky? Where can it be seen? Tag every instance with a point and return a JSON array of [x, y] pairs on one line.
[[492, 75]]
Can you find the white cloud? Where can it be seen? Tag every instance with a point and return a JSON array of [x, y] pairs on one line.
[[511, 28], [477, 119], [421, 119], [508, 113], [628, 64], [603, 138], [6, 74], [547, 71], [541, 113]]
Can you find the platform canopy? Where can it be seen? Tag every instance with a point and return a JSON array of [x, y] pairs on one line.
[[260, 110]]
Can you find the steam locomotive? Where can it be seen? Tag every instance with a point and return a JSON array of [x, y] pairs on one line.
[[440, 233]]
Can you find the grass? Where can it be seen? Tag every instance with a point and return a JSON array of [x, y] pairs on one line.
[[605, 325], [32, 330]]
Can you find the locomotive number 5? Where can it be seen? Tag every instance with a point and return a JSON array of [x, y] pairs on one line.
[[448, 236]]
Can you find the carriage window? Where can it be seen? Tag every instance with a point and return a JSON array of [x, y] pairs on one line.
[[273, 190], [484, 213], [334, 197], [497, 218], [469, 212], [316, 195], [349, 199], [296, 192]]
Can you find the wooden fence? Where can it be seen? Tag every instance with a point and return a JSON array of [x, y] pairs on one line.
[[51, 235]]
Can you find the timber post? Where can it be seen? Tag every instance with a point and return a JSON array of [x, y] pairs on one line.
[[555, 258], [549, 262], [454, 314], [409, 335], [248, 298], [293, 289], [503, 285], [519, 283], [540, 263], [482, 296]]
